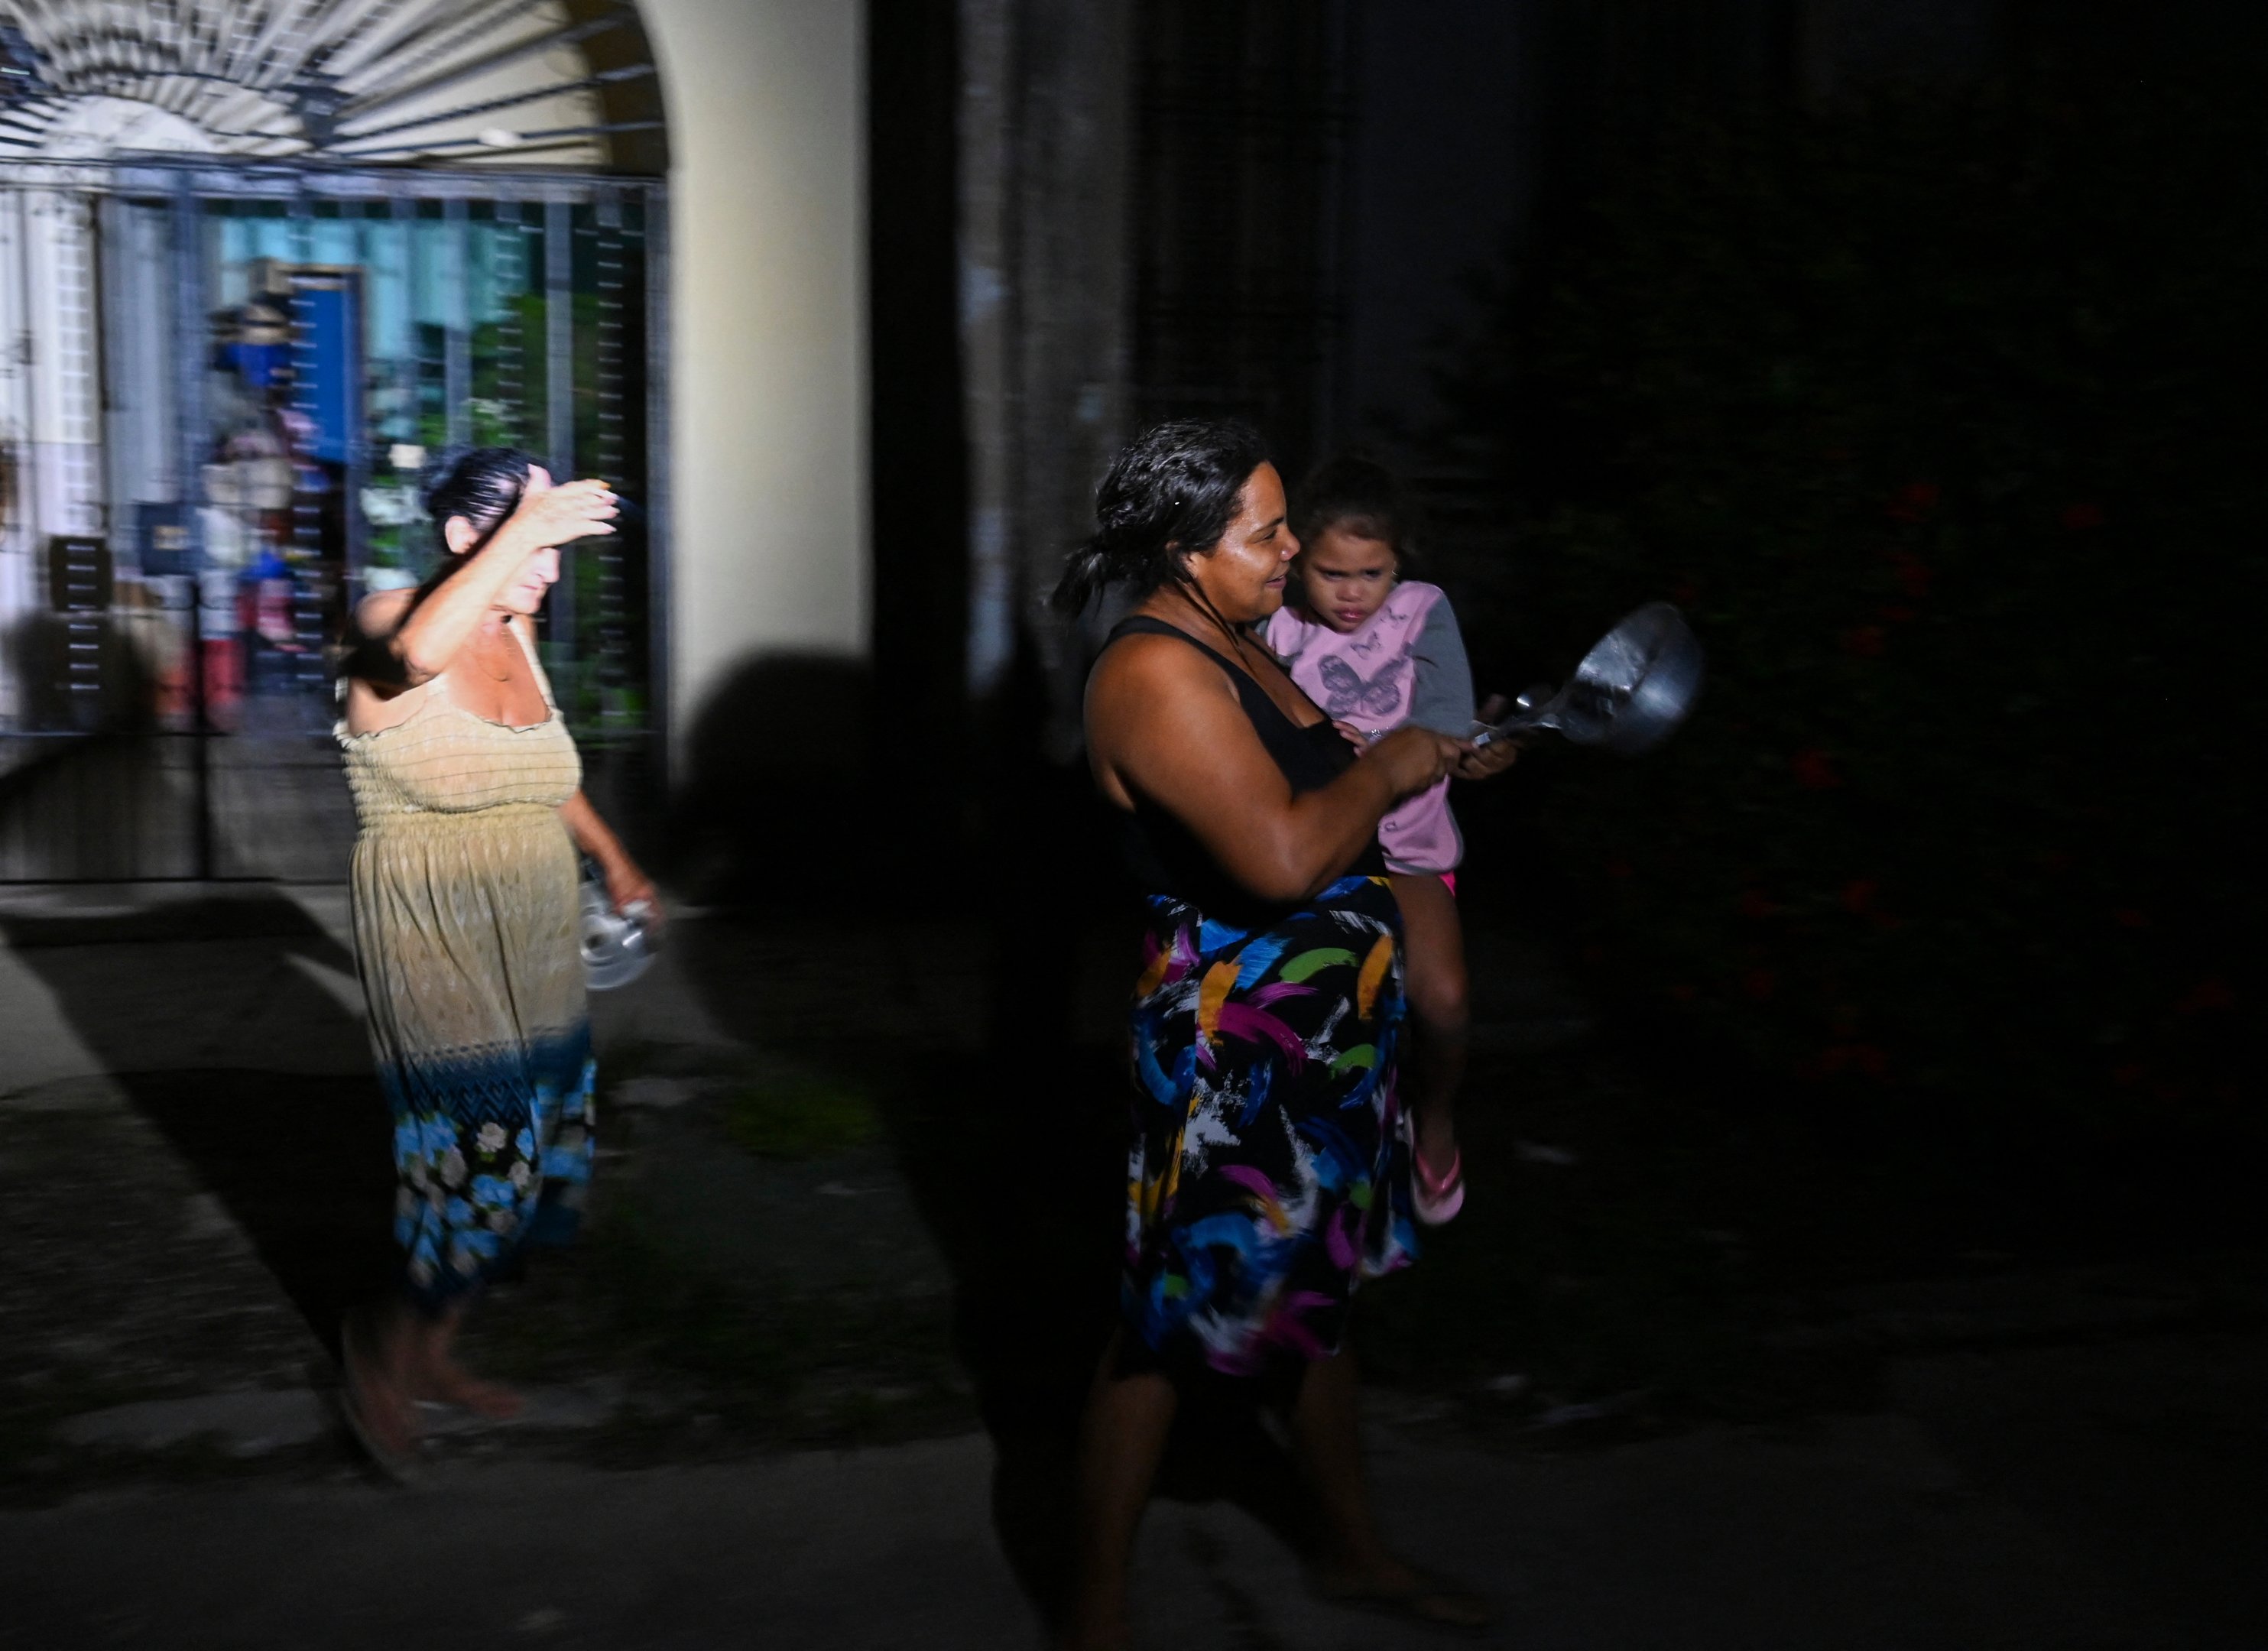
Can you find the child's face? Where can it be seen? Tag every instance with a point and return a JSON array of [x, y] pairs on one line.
[[1345, 576]]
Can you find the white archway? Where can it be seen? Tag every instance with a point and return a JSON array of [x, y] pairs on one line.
[[553, 83]]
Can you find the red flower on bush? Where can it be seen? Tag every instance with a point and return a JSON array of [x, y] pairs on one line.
[[1914, 501], [2211, 993], [1858, 895], [1866, 642], [1759, 983], [1914, 574], [1814, 769], [1756, 903], [1683, 993], [1618, 869], [1867, 1058], [2080, 518], [2129, 918]]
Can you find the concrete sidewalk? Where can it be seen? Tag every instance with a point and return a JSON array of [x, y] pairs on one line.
[[199, 976], [2087, 1477]]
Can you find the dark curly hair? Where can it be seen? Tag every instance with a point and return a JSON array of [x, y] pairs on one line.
[[1171, 492], [1355, 492], [482, 485]]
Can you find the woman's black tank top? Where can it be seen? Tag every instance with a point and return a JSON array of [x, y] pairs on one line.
[[1161, 853]]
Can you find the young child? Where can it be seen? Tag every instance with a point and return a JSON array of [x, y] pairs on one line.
[[1375, 650]]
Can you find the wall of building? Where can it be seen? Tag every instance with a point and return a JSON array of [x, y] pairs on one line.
[[769, 515], [50, 406]]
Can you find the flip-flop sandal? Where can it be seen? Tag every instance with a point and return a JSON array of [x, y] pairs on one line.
[[1465, 1613], [1437, 1199], [397, 1465]]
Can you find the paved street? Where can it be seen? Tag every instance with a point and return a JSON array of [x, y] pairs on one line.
[[1896, 1530]]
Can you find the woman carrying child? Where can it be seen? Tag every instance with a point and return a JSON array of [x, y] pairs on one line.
[[1265, 1171], [1378, 651]]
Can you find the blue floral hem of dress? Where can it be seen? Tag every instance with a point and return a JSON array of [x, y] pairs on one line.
[[492, 1152]]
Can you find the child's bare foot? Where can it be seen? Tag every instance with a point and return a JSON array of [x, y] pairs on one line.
[[1435, 1134]]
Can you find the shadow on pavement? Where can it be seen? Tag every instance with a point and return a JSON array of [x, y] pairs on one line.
[[1012, 1149], [301, 1162], [1018, 1168]]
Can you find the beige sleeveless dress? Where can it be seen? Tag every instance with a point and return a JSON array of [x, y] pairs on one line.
[[465, 895]]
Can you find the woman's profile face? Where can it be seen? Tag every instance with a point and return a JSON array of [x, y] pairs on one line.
[[1244, 575], [537, 575]]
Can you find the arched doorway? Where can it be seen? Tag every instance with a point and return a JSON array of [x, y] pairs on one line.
[[271, 257]]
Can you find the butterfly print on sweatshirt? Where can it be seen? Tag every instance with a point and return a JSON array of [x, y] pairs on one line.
[[1352, 695]]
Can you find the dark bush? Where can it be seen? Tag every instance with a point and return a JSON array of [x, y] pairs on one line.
[[1941, 418]]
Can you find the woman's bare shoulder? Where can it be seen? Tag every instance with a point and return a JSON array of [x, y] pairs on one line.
[[370, 664], [1148, 659], [1147, 685], [381, 613]]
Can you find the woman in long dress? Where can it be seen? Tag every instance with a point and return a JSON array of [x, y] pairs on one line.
[[1268, 1170], [466, 899]]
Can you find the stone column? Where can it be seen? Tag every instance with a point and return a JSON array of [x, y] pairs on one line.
[[1046, 111]]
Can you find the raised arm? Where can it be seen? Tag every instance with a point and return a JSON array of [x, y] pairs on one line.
[[407, 641], [1165, 726]]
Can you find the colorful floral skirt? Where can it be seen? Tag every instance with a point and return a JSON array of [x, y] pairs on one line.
[[1269, 1175]]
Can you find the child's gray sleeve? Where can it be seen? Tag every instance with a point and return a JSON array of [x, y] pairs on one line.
[[1441, 678]]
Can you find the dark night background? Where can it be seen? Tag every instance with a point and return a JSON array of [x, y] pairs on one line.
[[1911, 349]]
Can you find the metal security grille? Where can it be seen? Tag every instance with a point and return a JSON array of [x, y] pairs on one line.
[[227, 381]]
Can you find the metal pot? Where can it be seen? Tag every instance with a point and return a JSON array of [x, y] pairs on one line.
[[1628, 694], [617, 945]]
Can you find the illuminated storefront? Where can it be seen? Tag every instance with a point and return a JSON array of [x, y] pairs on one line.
[[261, 273]]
